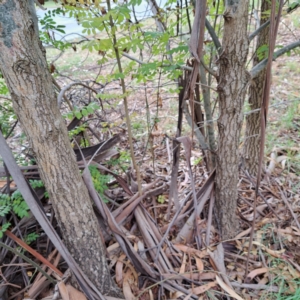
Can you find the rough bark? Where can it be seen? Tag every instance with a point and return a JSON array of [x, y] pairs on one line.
[[208, 115], [232, 85], [252, 135], [25, 70]]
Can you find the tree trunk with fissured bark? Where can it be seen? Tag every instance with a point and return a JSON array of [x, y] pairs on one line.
[[232, 86], [24, 67], [251, 147]]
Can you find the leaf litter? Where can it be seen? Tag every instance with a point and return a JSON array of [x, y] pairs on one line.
[[152, 257]]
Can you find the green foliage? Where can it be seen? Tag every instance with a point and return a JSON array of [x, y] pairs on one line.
[[16, 202], [123, 161], [289, 116], [262, 52], [5, 206], [197, 161], [78, 129], [294, 5], [83, 112], [7, 115], [49, 24], [100, 181], [36, 183], [3, 87], [19, 206], [161, 199], [137, 125], [31, 237], [3, 229], [132, 38], [49, 27]]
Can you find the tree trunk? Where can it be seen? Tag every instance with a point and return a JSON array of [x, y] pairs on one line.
[[25, 70], [232, 85], [252, 135]]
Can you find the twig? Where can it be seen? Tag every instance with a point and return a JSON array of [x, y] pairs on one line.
[[289, 207], [209, 70], [128, 123], [163, 65], [260, 194], [35, 265], [67, 87], [198, 133], [259, 67], [39, 5], [255, 286], [11, 130], [169, 228], [6, 98], [214, 36], [209, 219], [258, 30]]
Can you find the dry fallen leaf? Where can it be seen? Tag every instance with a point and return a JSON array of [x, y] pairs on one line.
[[74, 294], [256, 272], [274, 253], [190, 250], [203, 288], [295, 274], [187, 297], [227, 289], [182, 268], [127, 281], [63, 291], [176, 295], [119, 270], [199, 264]]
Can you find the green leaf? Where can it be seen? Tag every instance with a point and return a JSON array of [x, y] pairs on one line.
[[78, 114], [70, 115], [161, 199], [4, 210], [84, 112], [89, 109]]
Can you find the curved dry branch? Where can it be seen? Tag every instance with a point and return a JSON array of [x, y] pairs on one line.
[[67, 87]]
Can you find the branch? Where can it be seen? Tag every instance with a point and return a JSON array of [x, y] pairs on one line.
[[5, 97], [267, 23], [200, 137], [67, 87], [39, 5], [35, 265], [128, 121], [258, 30], [186, 68], [259, 67], [210, 71], [213, 36]]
